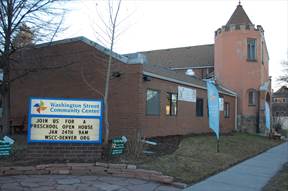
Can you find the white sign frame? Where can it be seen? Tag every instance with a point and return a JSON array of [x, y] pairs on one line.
[[186, 94], [54, 111]]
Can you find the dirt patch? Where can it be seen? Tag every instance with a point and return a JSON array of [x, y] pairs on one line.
[[165, 145]]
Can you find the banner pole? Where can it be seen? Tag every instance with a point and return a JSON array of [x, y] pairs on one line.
[[218, 144]]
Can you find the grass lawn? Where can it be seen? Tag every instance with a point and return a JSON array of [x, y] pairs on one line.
[[196, 157], [279, 182]]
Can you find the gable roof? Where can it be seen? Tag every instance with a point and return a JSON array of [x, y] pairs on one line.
[[182, 58], [155, 71], [123, 58], [282, 92], [166, 74], [239, 17]]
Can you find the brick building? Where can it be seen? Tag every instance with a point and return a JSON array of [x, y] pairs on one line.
[[144, 94], [143, 97]]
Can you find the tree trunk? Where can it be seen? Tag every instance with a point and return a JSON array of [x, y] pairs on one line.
[[106, 96], [5, 95], [6, 112]]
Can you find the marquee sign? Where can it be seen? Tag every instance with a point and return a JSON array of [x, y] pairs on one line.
[[65, 120]]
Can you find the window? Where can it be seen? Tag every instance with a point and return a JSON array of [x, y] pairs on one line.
[[152, 102], [252, 97], [171, 104], [199, 107], [262, 52], [251, 49], [226, 110]]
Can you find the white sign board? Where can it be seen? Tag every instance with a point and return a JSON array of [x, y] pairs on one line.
[[186, 94], [221, 104], [65, 120]]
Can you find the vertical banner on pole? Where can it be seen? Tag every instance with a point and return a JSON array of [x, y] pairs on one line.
[[213, 106], [267, 115]]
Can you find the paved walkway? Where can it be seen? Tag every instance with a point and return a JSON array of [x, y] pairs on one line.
[[78, 183], [250, 175]]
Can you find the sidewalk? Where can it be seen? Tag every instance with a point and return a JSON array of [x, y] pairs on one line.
[[78, 183], [250, 175]]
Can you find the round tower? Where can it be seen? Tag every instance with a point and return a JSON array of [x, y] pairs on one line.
[[241, 65]]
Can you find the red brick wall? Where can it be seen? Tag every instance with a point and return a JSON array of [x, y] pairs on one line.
[[63, 71], [124, 99], [127, 100], [64, 152], [73, 64]]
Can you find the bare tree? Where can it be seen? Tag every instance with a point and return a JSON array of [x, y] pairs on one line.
[[41, 16], [106, 34], [111, 32], [284, 77]]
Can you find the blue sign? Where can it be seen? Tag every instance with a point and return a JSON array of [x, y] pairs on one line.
[[60, 120], [267, 115], [213, 107]]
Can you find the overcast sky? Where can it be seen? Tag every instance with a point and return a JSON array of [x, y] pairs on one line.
[[161, 24]]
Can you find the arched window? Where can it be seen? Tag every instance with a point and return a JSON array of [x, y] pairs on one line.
[[252, 97]]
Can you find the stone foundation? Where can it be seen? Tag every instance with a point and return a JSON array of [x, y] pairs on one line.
[[249, 123]]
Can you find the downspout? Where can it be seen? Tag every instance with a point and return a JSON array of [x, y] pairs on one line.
[[259, 112], [236, 113]]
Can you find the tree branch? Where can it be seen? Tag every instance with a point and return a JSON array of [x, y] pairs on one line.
[[87, 83], [33, 70]]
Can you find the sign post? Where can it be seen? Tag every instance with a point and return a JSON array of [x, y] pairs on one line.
[[59, 120]]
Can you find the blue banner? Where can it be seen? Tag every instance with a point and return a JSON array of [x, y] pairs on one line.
[[213, 107], [267, 115]]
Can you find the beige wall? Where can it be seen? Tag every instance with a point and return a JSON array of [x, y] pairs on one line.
[[232, 68]]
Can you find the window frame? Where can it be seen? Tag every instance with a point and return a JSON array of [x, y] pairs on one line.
[[169, 100], [250, 50], [254, 97], [226, 110], [262, 52], [202, 108], [159, 104]]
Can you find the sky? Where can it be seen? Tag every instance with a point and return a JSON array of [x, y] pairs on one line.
[[161, 24]]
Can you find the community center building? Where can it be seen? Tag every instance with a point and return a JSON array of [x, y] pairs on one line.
[[159, 92]]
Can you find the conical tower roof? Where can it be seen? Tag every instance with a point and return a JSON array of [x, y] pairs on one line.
[[239, 17]]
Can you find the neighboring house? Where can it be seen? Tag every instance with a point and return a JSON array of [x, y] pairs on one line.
[[280, 102], [146, 87], [280, 106]]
